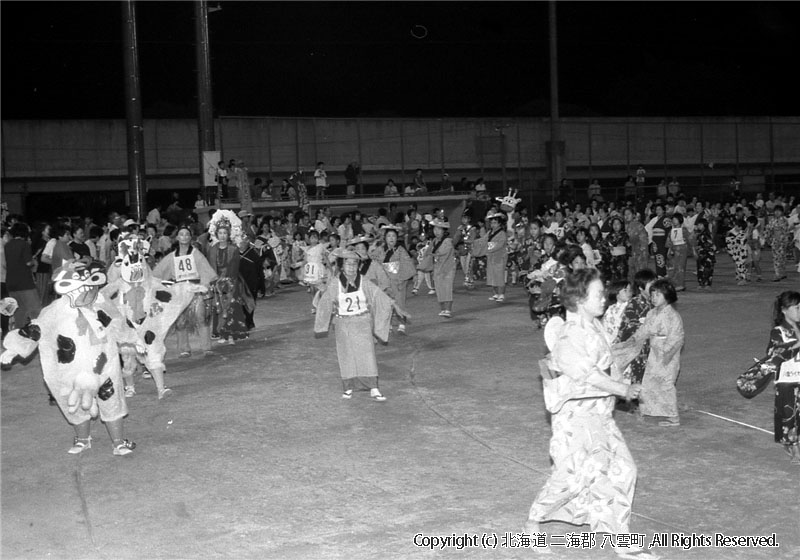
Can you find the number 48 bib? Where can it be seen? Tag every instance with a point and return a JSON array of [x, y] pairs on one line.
[[184, 268]]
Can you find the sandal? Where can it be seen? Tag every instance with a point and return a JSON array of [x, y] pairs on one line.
[[185, 354], [348, 394], [669, 424], [80, 444], [125, 447]]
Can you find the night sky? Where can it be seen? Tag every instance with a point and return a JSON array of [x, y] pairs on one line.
[[468, 59]]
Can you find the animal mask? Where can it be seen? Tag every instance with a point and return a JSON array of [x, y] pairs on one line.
[[131, 260], [79, 282]]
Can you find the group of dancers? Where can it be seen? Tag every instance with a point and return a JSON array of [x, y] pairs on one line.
[[611, 328]]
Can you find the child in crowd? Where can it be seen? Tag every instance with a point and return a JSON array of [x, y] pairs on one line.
[[779, 235], [704, 253], [513, 248], [314, 265], [663, 328], [755, 240], [736, 242], [296, 252], [424, 266], [619, 294]]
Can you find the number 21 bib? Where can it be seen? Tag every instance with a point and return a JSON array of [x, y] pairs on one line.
[[352, 303]]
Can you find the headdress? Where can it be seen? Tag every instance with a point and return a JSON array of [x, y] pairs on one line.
[[225, 218], [497, 216], [342, 253], [509, 202]]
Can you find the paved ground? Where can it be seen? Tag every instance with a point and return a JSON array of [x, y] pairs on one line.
[[257, 456]]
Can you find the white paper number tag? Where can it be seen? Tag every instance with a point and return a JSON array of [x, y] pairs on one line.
[[352, 303], [392, 267], [185, 268], [312, 272], [790, 371]]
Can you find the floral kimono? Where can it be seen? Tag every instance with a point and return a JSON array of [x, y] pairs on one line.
[[619, 248], [705, 257], [787, 395]]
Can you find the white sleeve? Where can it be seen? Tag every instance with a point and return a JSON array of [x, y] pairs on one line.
[[49, 247]]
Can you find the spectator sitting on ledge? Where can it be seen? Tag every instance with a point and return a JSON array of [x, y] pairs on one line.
[[390, 189]]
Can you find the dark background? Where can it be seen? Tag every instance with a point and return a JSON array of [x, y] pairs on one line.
[[64, 59]]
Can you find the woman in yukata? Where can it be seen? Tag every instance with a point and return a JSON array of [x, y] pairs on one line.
[[594, 476]]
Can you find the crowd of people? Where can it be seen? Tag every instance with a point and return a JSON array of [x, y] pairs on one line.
[[602, 279]]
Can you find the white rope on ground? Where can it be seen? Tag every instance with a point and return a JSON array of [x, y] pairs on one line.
[[478, 439], [734, 421]]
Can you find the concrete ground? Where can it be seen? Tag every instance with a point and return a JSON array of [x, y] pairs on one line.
[[256, 455]]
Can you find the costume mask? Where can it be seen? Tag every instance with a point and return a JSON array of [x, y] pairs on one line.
[[79, 282]]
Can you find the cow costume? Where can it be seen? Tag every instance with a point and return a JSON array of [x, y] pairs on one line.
[[150, 307], [78, 336]]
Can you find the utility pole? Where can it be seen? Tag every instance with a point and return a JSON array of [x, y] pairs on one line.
[[555, 148], [133, 112], [205, 106]]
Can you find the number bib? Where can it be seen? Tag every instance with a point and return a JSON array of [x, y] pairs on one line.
[[185, 268], [392, 267], [790, 371], [312, 272], [352, 303]]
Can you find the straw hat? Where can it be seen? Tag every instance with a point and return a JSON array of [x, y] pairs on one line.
[[360, 239]]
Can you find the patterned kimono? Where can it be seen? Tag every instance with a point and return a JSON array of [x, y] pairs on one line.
[[779, 237], [593, 476], [602, 250], [619, 247], [705, 257], [531, 249], [787, 395], [462, 242], [359, 310], [664, 329], [736, 242], [444, 269], [639, 257], [632, 319], [543, 289], [229, 292], [400, 269], [659, 228], [496, 258]]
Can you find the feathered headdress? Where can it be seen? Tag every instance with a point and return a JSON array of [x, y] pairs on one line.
[[227, 219]]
